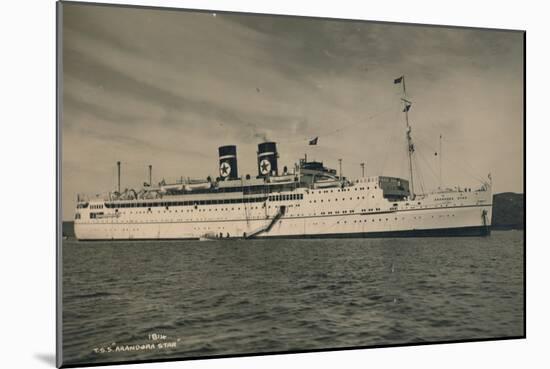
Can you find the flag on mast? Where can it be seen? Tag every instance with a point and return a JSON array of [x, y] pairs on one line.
[[398, 80], [314, 141]]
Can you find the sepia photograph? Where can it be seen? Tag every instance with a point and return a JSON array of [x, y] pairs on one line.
[[246, 184]]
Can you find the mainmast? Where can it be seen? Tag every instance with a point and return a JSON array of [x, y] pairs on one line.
[[410, 145]]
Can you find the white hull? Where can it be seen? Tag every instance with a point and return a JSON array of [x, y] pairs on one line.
[[356, 211]]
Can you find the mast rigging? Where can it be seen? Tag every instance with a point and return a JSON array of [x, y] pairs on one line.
[[410, 145]]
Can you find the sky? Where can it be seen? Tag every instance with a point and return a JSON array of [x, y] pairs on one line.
[[166, 88]]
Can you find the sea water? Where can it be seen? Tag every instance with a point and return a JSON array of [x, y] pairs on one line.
[[167, 299]]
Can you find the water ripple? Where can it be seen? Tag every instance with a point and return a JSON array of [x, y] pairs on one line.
[[263, 296]]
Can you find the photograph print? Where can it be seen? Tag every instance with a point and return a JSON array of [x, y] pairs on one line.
[[243, 184]]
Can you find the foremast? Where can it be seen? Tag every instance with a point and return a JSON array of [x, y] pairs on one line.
[[410, 145]]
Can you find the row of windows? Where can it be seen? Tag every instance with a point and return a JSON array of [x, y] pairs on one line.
[[203, 202], [336, 212], [294, 196], [341, 190], [204, 210], [183, 203], [381, 219], [343, 199]]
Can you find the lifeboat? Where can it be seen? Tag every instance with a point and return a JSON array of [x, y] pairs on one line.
[[171, 188], [326, 183], [283, 178], [194, 186]]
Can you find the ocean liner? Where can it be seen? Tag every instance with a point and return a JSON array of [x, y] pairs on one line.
[[307, 201]]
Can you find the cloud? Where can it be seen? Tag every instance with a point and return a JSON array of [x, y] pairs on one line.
[[167, 88]]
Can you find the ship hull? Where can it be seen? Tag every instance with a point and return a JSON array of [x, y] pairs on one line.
[[476, 231], [436, 222], [360, 211]]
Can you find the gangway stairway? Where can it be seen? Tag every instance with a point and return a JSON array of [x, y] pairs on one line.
[[268, 227]]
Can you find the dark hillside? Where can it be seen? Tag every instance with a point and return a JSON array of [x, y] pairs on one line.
[[508, 211], [68, 229]]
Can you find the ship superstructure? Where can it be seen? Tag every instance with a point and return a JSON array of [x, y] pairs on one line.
[[307, 201]]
